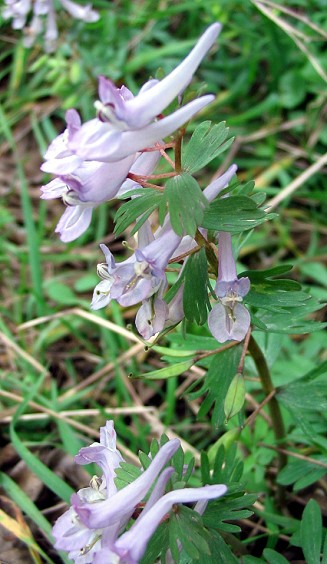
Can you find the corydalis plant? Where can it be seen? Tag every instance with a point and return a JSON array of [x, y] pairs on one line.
[[94, 531], [37, 17], [115, 155]]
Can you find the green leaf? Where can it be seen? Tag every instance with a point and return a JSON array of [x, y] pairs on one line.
[[167, 351], [235, 396], [195, 296], [166, 372], [53, 482], [292, 89], [229, 508], [226, 440], [187, 528], [324, 552], [222, 370], [234, 214], [157, 545], [25, 503], [72, 444], [308, 393], [126, 474], [61, 293], [281, 303], [139, 207], [207, 142], [311, 532], [218, 546], [186, 204], [301, 473], [274, 557]]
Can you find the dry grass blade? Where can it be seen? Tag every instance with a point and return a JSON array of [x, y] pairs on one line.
[[294, 34], [297, 183], [85, 315], [297, 16], [23, 354], [85, 429], [295, 455]]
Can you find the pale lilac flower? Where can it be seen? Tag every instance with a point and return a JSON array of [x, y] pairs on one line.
[[131, 545], [128, 124], [17, 10], [83, 185], [229, 319], [92, 530], [155, 314], [140, 276], [150, 318], [43, 14], [100, 141], [101, 295], [71, 534]]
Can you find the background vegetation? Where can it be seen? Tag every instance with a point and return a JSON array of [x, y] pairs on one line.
[[65, 369]]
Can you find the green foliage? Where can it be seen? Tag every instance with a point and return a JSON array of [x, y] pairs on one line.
[[185, 204], [207, 142], [235, 397], [222, 369], [305, 400], [280, 305], [195, 295], [234, 214], [302, 473], [273, 557], [186, 528], [163, 373], [311, 532], [145, 202]]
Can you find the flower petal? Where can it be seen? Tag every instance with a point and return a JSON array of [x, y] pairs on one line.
[[74, 221], [121, 504], [142, 109], [133, 543]]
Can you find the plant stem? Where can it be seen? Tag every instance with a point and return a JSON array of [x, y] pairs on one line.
[[178, 152], [268, 388], [211, 257]]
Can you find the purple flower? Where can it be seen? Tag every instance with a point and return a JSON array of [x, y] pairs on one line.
[[71, 534], [128, 124], [229, 319], [132, 545], [18, 11], [101, 295], [92, 530], [155, 314], [83, 185], [150, 318], [140, 276]]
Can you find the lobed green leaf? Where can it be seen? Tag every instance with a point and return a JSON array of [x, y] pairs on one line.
[[207, 142]]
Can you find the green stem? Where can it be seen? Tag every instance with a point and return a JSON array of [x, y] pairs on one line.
[[268, 388], [178, 152], [211, 257]]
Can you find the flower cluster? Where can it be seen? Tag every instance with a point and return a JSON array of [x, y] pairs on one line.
[[93, 160], [111, 155], [43, 18], [93, 528]]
